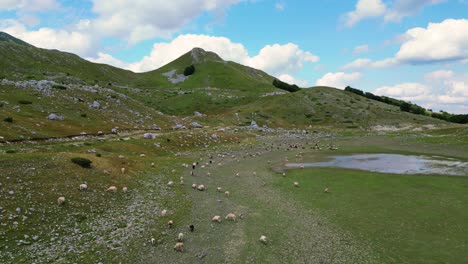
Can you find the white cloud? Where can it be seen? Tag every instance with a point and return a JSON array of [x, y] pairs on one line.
[[447, 40], [393, 12], [364, 9], [404, 8], [291, 80], [108, 59], [138, 20], [443, 90], [439, 42], [370, 64], [405, 91], [274, 59], [71, 41], [440, 74], [29, 5], [361, 49], [338, 79]]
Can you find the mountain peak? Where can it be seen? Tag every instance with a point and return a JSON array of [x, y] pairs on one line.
[[9, 38], [199, 55]]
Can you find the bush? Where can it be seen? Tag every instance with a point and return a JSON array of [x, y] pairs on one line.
[[189, 70], [10, 151], [285, 86], [58, 86], [83, 162], [83, 115], [8, 119], [24, 102]]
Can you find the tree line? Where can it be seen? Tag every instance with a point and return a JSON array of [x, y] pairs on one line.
[[410, 107]]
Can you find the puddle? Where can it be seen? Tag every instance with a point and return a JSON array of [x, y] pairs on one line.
[[394, 163]]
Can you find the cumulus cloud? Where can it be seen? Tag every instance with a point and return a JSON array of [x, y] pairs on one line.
[[391, 12], [138, 20], [364, 9], [445, 41], [274, 59], [404, 8], [443, 90], [64, 40], [338, 79], [405, 91], [440, 74], [105, 58], [29, 5], [292, 80], [439, 42], [277, 58]]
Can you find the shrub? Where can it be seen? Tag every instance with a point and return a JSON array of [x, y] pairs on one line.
[[10, 151], [285, 86], [98, 155], [58, 86], [24, 102], [189, 70], [8, 119], [83, 115], [83, 162]]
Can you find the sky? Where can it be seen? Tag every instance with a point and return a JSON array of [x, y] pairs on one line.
[[414, 50]]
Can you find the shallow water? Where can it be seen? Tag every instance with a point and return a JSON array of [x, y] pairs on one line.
[[394, 163]]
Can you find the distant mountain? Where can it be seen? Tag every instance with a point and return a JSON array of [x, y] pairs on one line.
[[4, 37]]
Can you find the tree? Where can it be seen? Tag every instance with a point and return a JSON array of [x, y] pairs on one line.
[[406, 107], [189, 70]]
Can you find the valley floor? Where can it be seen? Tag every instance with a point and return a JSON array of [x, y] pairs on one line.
[[366, 217]]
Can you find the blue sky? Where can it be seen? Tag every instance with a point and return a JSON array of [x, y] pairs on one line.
[[415, 50]]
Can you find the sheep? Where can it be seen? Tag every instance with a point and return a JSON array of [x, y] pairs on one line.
[[180, 237], [163, 213], [326, 190], [170, 183], [254, 173], [181, 182], [284, 174], [152, 164], [152, 241], [194, 186], [61, 200], [216, 218], [226, 193], [170, 223], [124, 189], [107, 172], [201, 187], [179, 246], [122, 170], [219, 189], [181, 178], [112, 189], [237, 174], [231, 217], [263, 239], [83, 187], [192, 228], [296, 184], [191, 173]]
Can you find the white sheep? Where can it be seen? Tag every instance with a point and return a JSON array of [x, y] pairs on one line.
[[231, 217], [181, 178], [179, 246], [326, 190], [163, 213], [61, 200], [112, 189], [152, 164], [263, 239], [201, 187], [124, 189], [194, 186], [296, 184], [170, 223], [170, 183], [152, 241], [83, 187], [237, 174], [181, 182], [122, 170], [226, 193], [180, 237], [219, 189], [216, 218]]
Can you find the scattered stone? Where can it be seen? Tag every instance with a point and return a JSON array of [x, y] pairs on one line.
[[149, 136], [55, 117], [196, 125]]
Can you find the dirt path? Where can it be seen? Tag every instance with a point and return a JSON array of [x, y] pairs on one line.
[[295, 234]]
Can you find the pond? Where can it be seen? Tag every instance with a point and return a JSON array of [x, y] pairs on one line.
[[394, 163]]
